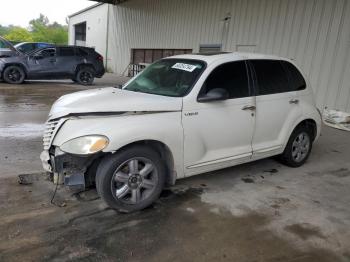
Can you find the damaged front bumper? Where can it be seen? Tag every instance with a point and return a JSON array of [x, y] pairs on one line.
[[67, 169]]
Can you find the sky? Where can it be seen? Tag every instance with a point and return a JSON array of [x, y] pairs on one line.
[[20, 12]]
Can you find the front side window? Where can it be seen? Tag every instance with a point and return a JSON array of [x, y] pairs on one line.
[[168, 77], [26, 48], [50, 52], [232, 77], [271, 77]]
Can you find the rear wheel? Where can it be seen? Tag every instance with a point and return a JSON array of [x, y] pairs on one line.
[[298, 147], [130, 180], [85, 76], [14, 75]]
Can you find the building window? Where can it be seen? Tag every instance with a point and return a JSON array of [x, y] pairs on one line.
[[140, 58], [80, 34]]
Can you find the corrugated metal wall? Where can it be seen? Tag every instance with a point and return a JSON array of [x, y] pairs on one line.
[[316, 33]]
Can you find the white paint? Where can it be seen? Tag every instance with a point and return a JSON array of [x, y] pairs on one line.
[[201, 137]]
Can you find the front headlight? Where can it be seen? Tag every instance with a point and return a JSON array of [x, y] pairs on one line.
[[85, 145]]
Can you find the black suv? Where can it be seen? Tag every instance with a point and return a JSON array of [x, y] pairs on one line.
[[81, 64]]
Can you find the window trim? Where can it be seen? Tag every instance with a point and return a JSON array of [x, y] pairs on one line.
[[249, 78]]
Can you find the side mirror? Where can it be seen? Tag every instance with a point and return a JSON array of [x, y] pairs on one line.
[[216, 94]]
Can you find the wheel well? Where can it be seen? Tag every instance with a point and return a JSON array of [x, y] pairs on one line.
[[311, 125], [162, 149], [16, 64], [83, 65]]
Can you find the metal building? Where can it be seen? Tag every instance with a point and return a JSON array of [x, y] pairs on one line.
[[315, 33]]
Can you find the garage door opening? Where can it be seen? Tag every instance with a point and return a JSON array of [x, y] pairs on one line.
[[80, 34], [140, 58]]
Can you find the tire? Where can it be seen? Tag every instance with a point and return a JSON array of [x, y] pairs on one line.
[[130, 180], [85, 76], [298, 148], [14, 75]]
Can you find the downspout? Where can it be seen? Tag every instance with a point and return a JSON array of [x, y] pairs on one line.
[[107, 36]]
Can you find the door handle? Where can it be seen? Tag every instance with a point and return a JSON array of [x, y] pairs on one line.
[[52, 60], [294, 101], [251, 108]]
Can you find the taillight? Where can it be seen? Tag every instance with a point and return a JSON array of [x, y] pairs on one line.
[[100, 58]]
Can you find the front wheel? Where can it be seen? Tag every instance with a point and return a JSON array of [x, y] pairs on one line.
[[130, 180], [298, 147], [14, 75]]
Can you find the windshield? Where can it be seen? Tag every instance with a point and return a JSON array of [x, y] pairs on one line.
[[168, 77]]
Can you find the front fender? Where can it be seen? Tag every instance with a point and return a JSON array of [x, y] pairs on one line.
[[123, 130]]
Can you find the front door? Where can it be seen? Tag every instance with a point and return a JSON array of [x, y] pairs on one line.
[[218, 134], [42, 63]]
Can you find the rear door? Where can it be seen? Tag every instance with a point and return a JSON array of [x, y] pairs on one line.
[[66, 61], [277, 107]]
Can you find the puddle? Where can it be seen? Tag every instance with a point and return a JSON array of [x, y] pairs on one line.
[[26, 130]]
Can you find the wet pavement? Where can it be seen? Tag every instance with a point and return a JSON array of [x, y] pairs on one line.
[[260, 211]]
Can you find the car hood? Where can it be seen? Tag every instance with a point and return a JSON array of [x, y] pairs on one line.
[[111, 101]]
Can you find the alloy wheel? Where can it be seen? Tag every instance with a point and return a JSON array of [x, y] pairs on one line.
[[134, 180], [14, 75], [85, 76], [301, 147]]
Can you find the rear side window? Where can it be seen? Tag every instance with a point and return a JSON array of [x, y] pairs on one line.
[[81, 52], [231, 76], [296, 79], [66, 51], [271, 77]]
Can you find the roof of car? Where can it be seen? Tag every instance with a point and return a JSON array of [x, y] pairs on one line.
[[33, 43], [212, 57]]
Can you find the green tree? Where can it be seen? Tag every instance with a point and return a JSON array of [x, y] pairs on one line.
[[4, 30], [19, 34], [40, 30], [43, 31]]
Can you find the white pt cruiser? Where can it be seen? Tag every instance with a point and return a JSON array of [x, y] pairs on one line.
[[182, 116]]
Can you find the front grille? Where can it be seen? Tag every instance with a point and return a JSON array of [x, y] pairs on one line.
[[50, 129]]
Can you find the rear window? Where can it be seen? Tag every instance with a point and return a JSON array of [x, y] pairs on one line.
[[296, 80], [66, 51], [271, 77]]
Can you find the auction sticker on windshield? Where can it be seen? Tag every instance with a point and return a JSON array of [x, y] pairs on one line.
[[185, 67]]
